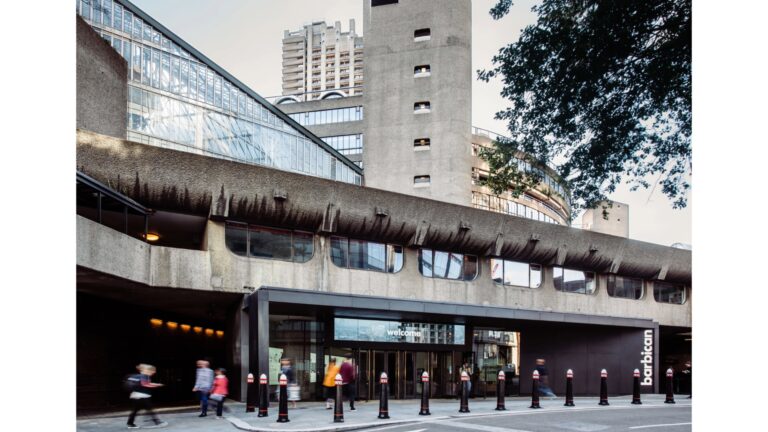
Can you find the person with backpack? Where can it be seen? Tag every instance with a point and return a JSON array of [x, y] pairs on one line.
[[203, 384], [141, 386], [220, 391]]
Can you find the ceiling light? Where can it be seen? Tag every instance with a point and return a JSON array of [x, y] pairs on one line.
[[151, 236]]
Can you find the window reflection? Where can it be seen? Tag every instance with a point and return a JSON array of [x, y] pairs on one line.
[[664, 292], [272, 243], [573, 281], [447, 265], [619, 286], [516, 273], [366, 255]]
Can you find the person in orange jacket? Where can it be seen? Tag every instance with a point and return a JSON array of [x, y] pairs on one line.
[[329, 382]]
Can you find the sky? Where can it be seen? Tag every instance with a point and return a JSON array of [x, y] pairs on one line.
[[245, 38]]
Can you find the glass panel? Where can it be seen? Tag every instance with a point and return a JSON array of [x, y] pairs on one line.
[[107, 6], [339, 251], [236, 237], [118, 17], [535, 275], [97, 10], [567, 280], [470, 267], [155, 68], [394, 258], [497, 270], [622, 287], [668, 293], [516, 273], [127, 22], [137, 28], [86, 12], [425, 262], [165, 73], [270, 243], [303, 246]]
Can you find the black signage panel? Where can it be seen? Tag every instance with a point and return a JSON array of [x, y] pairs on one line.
[[351, 329]]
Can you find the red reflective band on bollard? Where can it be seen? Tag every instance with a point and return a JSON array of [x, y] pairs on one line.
[[569, 388], [263, 396], [603, 388], [424, 394], [250, 397], [250, 378], [263, 379], [384, 399], [535, 391], [282, 414], [338, 408]]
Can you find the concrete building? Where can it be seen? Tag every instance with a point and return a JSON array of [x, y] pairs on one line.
[[608, 218], [182, 255], [321, 62]]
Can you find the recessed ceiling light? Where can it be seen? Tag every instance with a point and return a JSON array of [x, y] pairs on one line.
[[151, 236]]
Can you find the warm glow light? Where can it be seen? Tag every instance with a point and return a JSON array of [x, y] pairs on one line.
[[172, 325], [219, 333], [156, 322], [197, 330], [152, 237], [185, 327], [209, 332]]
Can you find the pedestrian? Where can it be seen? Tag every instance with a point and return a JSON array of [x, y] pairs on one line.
[[141, 396], [293, 390], [329, 382], [349, 380], [220, 390], [203, 384], [544, 389]]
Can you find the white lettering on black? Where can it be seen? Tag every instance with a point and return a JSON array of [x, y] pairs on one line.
[[647, 358]]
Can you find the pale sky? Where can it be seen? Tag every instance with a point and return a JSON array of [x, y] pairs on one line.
[[245, 38]]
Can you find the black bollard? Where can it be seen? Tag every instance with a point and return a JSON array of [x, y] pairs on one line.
[[250, 403], [464, 404], [670, 395], [636, 388], [502, 379], [263, 396], [424, 394], [282, 413], [569, 388], [338, 407], [535, 391], [384, 399], [603, 387]]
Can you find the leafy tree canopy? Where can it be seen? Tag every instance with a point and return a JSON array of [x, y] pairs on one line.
[[602, 89]]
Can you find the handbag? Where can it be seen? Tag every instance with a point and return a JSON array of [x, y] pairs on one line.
[[217, 397]]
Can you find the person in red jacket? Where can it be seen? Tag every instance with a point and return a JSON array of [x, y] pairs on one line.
[[220, 390], [349, 380]]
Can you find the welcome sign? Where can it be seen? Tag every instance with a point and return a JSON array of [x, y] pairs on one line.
[[351, 329]]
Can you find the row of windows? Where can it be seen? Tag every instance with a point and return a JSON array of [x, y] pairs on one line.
[[233, 129], [337, 115], [501, 205], [296, 246], [346, 144]]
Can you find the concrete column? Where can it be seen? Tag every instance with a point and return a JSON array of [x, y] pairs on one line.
[[258, 323]]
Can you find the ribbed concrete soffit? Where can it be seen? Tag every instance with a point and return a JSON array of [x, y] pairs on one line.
[[165, 179]]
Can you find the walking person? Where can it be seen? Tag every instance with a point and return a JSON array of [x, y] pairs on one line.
[[293, 390], [329, 382], [544, 388], [349, 380], [141, 396], [203, 385], [220, 390]]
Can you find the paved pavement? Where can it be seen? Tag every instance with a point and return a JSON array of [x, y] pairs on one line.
[[587, 415]]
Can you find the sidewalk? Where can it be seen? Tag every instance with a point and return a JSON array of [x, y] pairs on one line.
[[312, 416]]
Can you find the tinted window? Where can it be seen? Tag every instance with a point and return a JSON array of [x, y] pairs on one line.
[[365, 255], [375, 3], [668, 293], [573, 281], [236, 237], [447, 265], [339, 251], [425, 32], [623, 287], [272, 243]]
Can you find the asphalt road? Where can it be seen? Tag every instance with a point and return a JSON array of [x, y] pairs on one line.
[[670, 418]]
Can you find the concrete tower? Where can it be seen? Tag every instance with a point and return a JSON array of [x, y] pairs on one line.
[[418, 97]]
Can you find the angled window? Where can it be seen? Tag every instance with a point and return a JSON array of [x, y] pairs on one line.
[[422, 71], [573, 281], [664, 292], [623, 287], [422, 35], [447, 265], [515, 273], [366, 255], [270, 243]]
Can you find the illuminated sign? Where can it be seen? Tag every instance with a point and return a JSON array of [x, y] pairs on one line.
[[350, 329]]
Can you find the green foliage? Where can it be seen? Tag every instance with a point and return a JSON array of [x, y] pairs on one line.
[[606, 87]]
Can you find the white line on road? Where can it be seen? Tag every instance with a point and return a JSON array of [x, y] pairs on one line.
[[456, 424], [659, 425], [395, 427]]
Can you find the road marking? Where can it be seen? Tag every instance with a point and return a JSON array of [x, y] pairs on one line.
[[456, 423], [659, 425], [395, 427]]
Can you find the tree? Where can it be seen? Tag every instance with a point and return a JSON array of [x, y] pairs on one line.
[[602, 89]]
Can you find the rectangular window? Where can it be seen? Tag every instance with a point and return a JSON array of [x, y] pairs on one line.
[[422, 71], [127, 22], [201, 83], [136, 63], [209, 87], [175, 75], [422, 107], [269, 243], [623, 287], [573, 281], [422, 35], [365, 255], [146, 62], [118, 17], [192, 80], [421, 181], [165, 72], [664, 292], [86, 9], [225, 96], [217, 91], [147, 32], [339, 251], [515, 273], [421, 144], [155, 68], [236, 238], [107, 6], [97, 11], [447, 265], [137, 28]]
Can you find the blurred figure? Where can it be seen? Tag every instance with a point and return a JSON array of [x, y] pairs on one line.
[[349, 380], [203, 384], [141, 396], [544, 389], [329, 382], [465, 367], [220, 390], [286, 368]]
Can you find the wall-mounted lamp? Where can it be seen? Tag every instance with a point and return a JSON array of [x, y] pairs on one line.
[[185, 327], [156, 322], [197, 329], [172, 325]]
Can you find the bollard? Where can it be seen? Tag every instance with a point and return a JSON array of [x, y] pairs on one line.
[[263, 396], [670, 395], [500, 391], [603, 387], [636, 388], [338, 407], [535, 391], [282, 407], [464, 404], [569, 388], [249, 398], [424, 394], [384, 399]]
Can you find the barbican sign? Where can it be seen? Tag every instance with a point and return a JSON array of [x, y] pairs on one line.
[[351, 329], [646, 358]]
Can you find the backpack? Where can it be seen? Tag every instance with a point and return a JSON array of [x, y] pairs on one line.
[[132, 382]]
